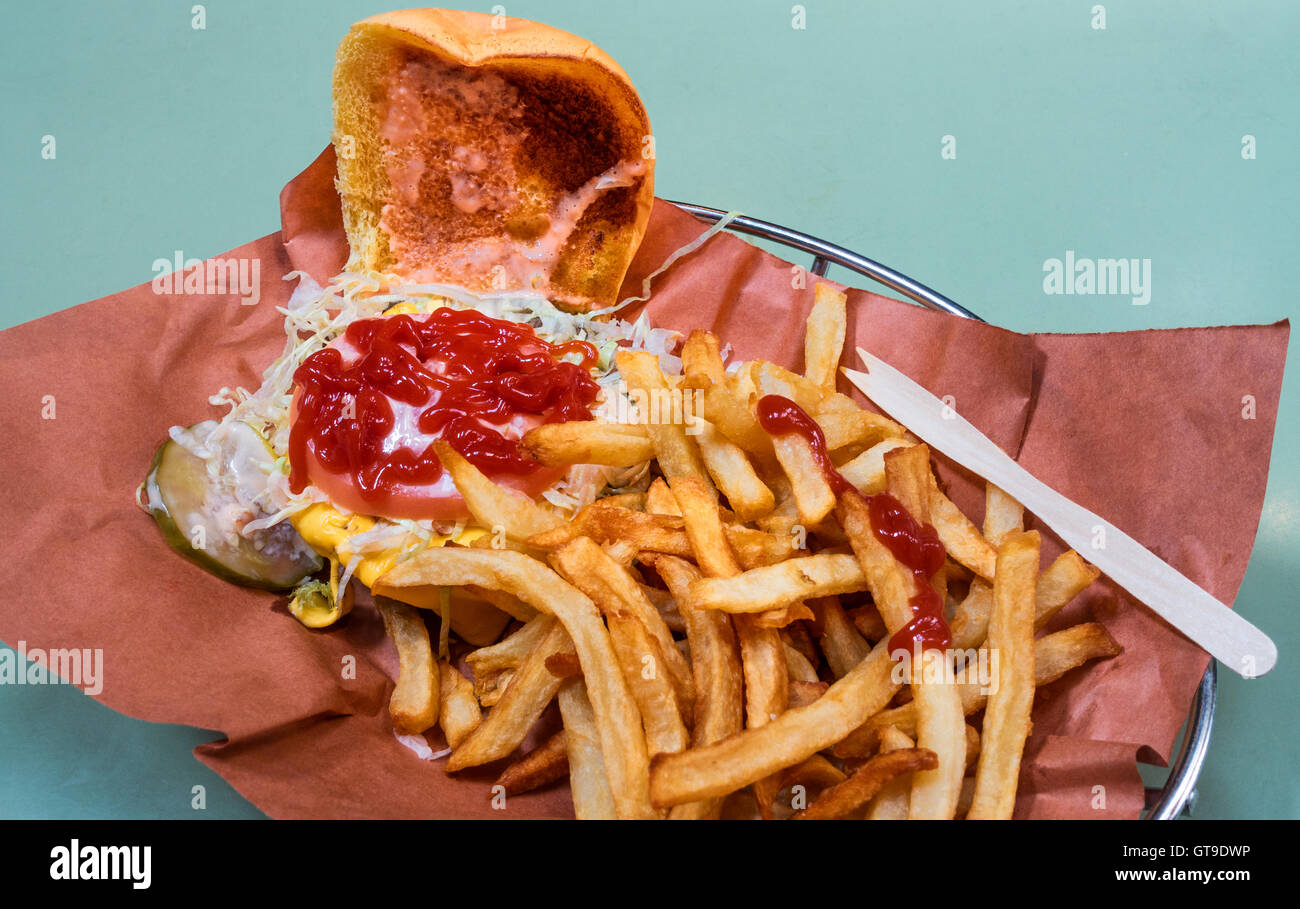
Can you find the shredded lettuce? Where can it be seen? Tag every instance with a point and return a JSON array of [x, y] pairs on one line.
[[315, 315]]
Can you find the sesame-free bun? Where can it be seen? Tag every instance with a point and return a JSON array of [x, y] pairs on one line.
[[491, 153]]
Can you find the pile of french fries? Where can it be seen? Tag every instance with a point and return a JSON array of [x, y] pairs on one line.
[[718, 641]]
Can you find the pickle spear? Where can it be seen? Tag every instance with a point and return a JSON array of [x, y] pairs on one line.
[[199, 511]]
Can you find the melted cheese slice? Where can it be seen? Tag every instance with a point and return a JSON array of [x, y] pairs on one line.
[[328, 531]]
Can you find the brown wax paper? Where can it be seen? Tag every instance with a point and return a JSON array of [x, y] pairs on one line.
[[1145, 428]]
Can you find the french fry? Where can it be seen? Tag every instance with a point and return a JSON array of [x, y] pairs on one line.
[[866, 472], [676, 451], [622, 739], [659, 499], [890, 803], [798, 637], [545, 764], [868, 780], [766, 678], [622, 551], [939, 718], [960, 537], [797, 666], [802, 782], [702, 359], [1003, 515], [770, 379], [892, 739], [890, 585], [704, 530], [496, 541], [617, 594], [733, 474], [1060, 583], [1055, 654], [834, 402], [492, 506], [662, 533], [716, 658], [732, 417], [414, 702], [784, 521], [940, 728], [592, 798], [786, 615], [812, 494], [716, 669], [907, 477], [564, 665], [1064, 579], [633, 501], [1006, 718], [972, 746], [767, 690], [762, 655], [824, 339], [459, 712], [755, 548], [604, 523], [490, 689], [588, 442], [816, 772], [472, 619], [774, 586], [970, 621], [784, 518], [803, 693], [740, 382], [967, 796], [527, 695], [713, 771], [843, 646], [644, 667], [868, 622], [510, 605], [494, 665], [667, 606], [859, 429]]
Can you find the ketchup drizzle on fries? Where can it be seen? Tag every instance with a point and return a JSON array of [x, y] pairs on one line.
[[465, 371], [916, 546], [780, 416]]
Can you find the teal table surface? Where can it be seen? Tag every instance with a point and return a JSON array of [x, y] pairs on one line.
[[962, 143]]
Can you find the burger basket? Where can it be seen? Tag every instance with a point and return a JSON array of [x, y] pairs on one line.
[[1178, 794]]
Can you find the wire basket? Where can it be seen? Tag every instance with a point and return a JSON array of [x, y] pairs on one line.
[[1178, 795]]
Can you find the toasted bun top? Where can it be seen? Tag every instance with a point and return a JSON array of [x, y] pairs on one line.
[[490, 152]]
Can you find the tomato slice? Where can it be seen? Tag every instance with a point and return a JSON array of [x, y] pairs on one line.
[[438, 501], [389, 404]]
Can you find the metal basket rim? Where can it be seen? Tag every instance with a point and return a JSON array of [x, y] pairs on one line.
[[1179, 791]]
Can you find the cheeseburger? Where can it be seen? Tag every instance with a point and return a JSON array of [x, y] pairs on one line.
[[496, 176]]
